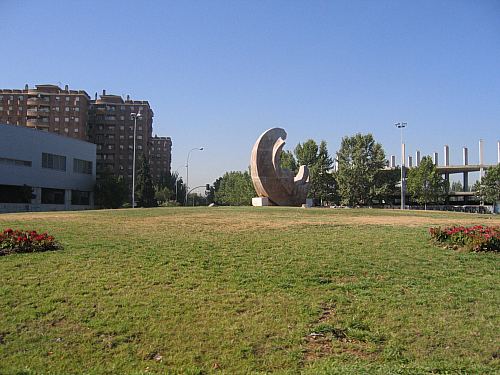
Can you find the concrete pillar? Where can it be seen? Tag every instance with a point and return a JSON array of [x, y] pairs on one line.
[[446, 155], [481, 159], [435, 158], [67, 199], [466, 174], [393, 161], [410, 161], [417, 158], [36, 195]]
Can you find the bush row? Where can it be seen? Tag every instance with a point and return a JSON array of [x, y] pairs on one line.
[[24, 241], [475, 238]]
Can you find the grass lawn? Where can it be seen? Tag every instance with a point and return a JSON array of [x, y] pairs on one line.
[[248, 290]]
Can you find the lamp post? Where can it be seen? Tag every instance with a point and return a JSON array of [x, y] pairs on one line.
[[401, 126], [187, 171], [134, 116]]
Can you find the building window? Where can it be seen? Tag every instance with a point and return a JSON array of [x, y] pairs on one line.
[[67, 98], [76, 130], [57, 109], [22, 163], [66, 119], [80, 197], [139, 137], [139, 147], [77, 109], [15, 194], [77, 99], [122, 127], [77, 119], [56, 119], [58, 98], [52, 196], [82, 166], [66, 109], [52, 161]]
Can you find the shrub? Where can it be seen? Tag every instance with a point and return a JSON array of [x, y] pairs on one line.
[[476, 238], [29, 241]]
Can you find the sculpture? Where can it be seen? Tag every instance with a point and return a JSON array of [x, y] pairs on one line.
[[279, 185]]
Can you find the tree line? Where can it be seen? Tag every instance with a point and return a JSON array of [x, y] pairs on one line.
[[360, 179]]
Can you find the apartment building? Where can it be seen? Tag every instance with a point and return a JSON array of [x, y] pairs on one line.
[[48, 108], [160, 152], [111, 128], [105, 121]]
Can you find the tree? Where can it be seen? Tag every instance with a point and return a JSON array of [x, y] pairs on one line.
[[213, 189], [360, 161], [323, 183], [181, 190], [456, 186], [144, 189], [287, 161], [236, 189], [488, 190], [307, 153], [385, 188], [425, 184], [110, 191], [163, 195]]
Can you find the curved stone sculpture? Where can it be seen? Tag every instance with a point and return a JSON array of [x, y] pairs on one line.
[[279, 185]]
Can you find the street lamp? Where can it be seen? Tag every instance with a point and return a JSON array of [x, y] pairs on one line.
[[401, 126], [134, 116], [187, 171]]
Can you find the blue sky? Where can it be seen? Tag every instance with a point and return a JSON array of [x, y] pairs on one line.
[[219, 73]]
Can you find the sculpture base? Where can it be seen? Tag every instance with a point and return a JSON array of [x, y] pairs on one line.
[[260, 202]]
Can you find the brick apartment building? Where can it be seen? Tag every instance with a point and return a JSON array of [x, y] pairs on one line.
[[111, 128], [47, 107], [160, 152], [105, 121]]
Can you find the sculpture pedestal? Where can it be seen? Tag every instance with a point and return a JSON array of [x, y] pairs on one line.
[[260, 201]]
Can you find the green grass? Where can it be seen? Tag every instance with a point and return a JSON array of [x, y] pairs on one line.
[[240, 290]]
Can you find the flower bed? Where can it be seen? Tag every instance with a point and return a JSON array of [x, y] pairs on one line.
[[476, 238], [29, 241]]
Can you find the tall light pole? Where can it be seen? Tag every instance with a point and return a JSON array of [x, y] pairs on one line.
[[187, 171], [134, 116], [401, 126]]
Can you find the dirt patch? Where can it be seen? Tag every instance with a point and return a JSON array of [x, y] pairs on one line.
[[317, 344], [325, 340]]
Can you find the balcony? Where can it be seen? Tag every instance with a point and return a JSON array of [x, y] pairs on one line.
[[42, 111], [37, 124], [38, 101]]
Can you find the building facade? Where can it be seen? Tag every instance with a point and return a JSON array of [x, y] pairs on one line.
[[160, 152], [47, 108], [111, 128], [42, 171]]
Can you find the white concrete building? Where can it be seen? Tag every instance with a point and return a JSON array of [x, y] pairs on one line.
[[41, 171]]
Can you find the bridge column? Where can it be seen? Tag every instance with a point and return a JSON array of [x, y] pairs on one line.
[[466, 174]]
